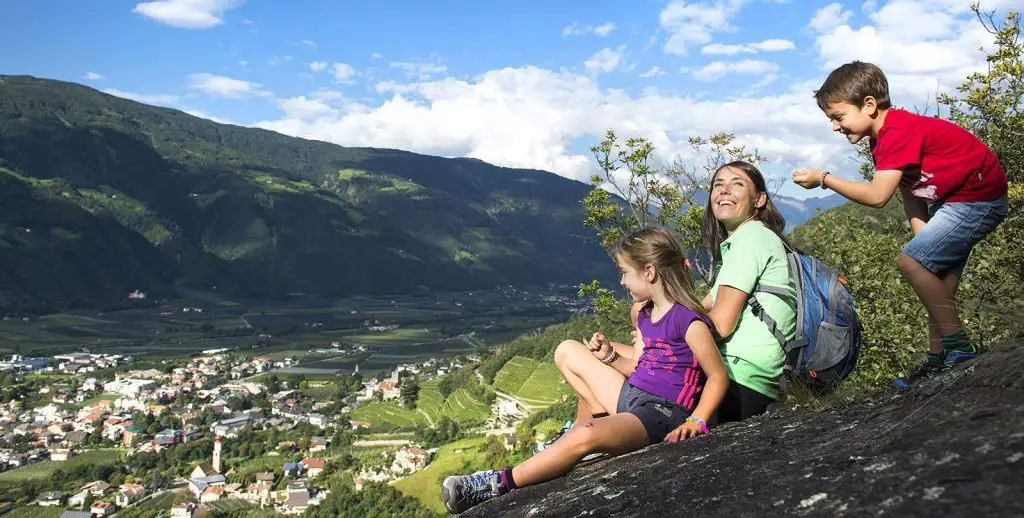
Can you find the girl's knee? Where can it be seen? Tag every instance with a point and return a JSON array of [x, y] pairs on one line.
[[583, 439], [565, 350]]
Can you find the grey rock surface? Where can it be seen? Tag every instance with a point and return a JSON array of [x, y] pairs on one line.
[[951, 447]]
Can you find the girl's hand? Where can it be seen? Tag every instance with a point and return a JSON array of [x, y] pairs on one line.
[[685, 431], [599, 346], [807, 178]]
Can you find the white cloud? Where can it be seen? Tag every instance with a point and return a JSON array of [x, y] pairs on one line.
[[376, 55], [918, 59], [546, 119], [717, 69], [770, 45], [653, 72], [326, 94], [604, 29], [343, 73], [277, 60], [526, 117], [161, 99], [309, 43], [304, 109], [575, 29], [693, 23], [93, 76], [187, 14], [318, 66], [605, 60], [831, 16], [225, 87], [420, 71]]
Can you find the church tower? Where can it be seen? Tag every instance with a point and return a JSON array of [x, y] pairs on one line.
[[216, 455]]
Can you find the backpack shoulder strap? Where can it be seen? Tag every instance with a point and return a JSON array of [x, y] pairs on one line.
[[758, 309], [759, 312]]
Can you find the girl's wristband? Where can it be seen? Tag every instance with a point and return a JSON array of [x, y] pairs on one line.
[[703, 425]]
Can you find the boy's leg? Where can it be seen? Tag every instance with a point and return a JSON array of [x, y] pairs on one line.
[[933, 262], [951, 280], [933, 293]]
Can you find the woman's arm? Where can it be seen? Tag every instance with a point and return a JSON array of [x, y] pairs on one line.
[[702, 343], [707, 302], [726, 311]]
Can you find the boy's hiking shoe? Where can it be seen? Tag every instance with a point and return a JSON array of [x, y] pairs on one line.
[[461, 492], [541, 446], [930, 370], [958, 356]]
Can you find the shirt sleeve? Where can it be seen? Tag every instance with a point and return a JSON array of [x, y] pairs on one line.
[[900, 148], [742, 265]]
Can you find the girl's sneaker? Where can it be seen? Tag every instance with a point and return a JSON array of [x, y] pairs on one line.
[[541, 446], [461, 492]]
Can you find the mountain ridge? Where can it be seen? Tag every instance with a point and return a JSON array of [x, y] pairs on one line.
[[255, 213]]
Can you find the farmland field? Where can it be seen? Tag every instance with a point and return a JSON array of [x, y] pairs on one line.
[[391, 413], [515, 372], [438, 324], [34, 511], [45, 469], [430, 401], [464, 456], [462, 408], [543, 388], [538, 385]]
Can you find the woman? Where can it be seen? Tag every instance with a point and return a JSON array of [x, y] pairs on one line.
[[743, 231]]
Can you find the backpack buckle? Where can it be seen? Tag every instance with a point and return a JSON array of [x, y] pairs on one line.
[[755, 305]]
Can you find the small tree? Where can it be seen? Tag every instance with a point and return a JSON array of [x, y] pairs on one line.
[[630, 193]]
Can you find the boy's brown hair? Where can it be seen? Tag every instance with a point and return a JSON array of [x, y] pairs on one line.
[[851, 83]]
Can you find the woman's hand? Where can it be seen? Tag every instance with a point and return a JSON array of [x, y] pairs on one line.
[[599, 346], [638, 339], [688, 429]]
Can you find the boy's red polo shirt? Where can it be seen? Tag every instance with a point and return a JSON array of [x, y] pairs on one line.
[[940, 160]]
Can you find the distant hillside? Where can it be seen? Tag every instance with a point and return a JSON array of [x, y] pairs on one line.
[[101, 196]]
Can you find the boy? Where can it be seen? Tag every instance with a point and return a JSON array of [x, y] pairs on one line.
[[934, 162]]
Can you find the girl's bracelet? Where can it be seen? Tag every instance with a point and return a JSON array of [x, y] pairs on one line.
[[611, 357], [703, 425]]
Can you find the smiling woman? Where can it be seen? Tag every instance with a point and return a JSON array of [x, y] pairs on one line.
[[743, 230]]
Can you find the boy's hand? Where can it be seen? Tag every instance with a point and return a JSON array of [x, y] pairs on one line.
[[808, 178], [685, 431]]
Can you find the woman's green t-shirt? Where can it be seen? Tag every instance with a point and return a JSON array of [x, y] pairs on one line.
[[753, 357]]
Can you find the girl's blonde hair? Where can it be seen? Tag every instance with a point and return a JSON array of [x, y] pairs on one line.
[[658, 247]]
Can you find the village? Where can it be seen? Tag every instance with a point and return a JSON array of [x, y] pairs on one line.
[[197, 397]]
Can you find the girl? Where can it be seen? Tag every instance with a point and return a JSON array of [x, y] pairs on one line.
[[743, 231], [665, 388]]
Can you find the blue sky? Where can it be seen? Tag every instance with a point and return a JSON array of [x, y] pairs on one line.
[[526, 84]]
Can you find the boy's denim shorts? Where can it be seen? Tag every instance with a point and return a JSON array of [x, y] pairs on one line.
[[953, 229]]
